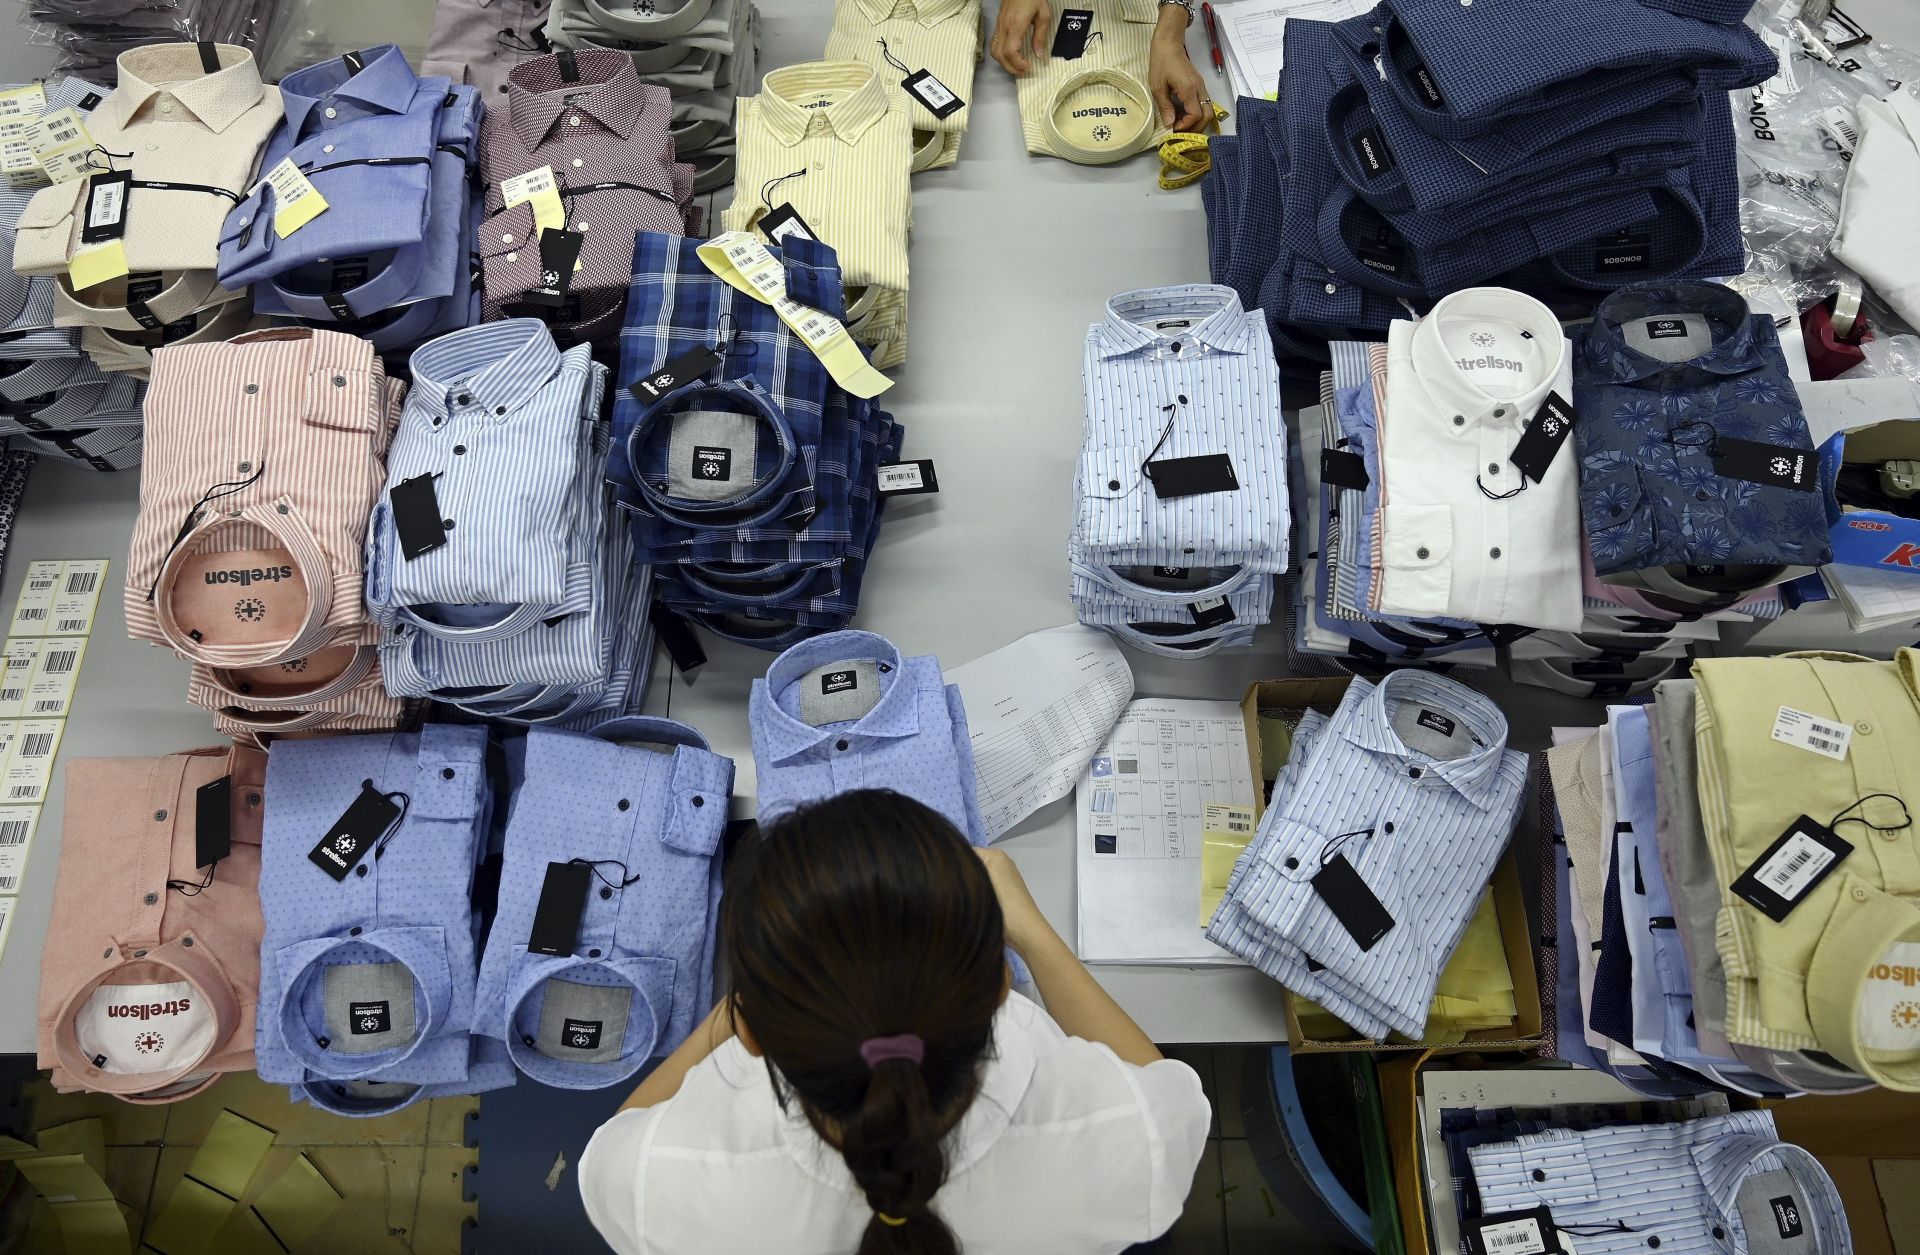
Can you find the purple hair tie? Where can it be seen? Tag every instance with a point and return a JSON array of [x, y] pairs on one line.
[[908, 1046]]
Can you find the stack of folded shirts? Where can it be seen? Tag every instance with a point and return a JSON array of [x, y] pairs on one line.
[[1375, 854], [264, 458], [491, 568], [187, 124], [392, 154], [92, 34], [931, 47], [371, 947], [478, 42], [1404, 170], [701, 51], [1181, 513], [628, 821], [749, 475], [825, 155], [597, 140], [1087, 101]]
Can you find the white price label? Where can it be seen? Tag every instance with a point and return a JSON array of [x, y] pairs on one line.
[[34, 606], [523, 187], [7, 908], [107, 205], [29, 770], [63, 128], [901, 475], [50, 692], [77, 597], [1513, 1237], [17, 826], [1794, 866], [1810, 732], [23, 101]]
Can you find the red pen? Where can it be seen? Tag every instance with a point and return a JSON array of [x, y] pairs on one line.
[[1213, 39]]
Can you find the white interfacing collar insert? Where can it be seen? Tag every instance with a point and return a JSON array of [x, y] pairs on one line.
[[135, 1029]]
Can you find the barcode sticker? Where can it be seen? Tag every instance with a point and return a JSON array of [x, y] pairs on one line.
[[17, 826], [35, 743], [22, 659], [7, 908], [1513, 1237], [1228, 818], [1806, 853], [1794, 865], [62, 145], [21, 101], [1810, 732], [36, 599], [59, 598], [49, 694]]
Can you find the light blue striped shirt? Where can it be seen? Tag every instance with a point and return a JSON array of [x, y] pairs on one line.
[[1191, 363], [1412, 784], [494, 417], [1713, 1186]]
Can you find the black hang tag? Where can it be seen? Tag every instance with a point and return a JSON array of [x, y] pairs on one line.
[[1344, 470], [353, 61], [1370, 146], [906, 479], [1504, 633], [677, 635], [1352, 902], [1422, 80], [935, 95], [1173, 572], [106, 207], [141, 288], [1436, 721], [675, 371], [580, 1034], [90, 102], [364, 1018], [558, 251], [569, 65], [556, 920], [179, 329], [1514, 1233], [1665, 328], [1211, 613], [347, 840], [1192, 477], [209, 58], [213, 821], [712, 464], [1780, 879], [416, 516], [1070, 36], [1775, 466], [1624, 252], [1542, 439], [784, 220]]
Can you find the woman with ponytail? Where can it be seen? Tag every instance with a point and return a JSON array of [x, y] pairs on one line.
[[873, 1085]]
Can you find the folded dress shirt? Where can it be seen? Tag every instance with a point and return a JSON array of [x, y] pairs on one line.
[[478, 42], [152, 962], [636, 976], [1093, 107], [936, 38]]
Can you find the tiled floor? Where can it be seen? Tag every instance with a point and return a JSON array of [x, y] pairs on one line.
[[1231, 1211]]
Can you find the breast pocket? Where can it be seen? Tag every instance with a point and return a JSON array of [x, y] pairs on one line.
[[1112, 506]]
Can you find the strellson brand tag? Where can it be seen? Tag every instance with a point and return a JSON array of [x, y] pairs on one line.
[[1436, 721], [1775, 466], [212, 821], [141, 288], [1515, 1233], [563, 897], [90, 102], [348, 838], [416, 517], [712, 464], [348, 274], [907, 479], [1343, 469], [1786, 1216], [1542, 439], [369, 1017], [558, 251], [580, 1034], [1371, 147], [1422, 81], [569, 66], [1352, 902], [784, 220], [934, 94], [1665, 328], [353, 61], [1070, 37], [1211, 613], [106, 207], [1192, 477], [672, 631], [1173, 572], [1626, 251], [839, 682], [685, 368], [1780, 879]]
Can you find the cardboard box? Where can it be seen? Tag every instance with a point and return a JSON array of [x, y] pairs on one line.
[[1322, 695], [1875, 538]]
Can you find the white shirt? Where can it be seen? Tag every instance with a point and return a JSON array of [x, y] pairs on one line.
[[1463, 384], [1066, 1150]]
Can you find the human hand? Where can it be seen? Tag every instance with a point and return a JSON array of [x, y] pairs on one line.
[[1177, 86], [1021, 22], [1025, 924]]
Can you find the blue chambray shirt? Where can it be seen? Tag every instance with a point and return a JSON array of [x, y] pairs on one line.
[[402, 918], [1649, 489], [366, 140], [640, 976]]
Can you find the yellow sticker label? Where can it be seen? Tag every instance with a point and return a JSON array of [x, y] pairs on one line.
[[23, 100], [296, 201], [62, 145], [1226, 830], [97, 263], [743, 262]]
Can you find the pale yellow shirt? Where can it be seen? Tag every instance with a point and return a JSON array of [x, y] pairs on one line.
[[1095, 108], [939, 36]]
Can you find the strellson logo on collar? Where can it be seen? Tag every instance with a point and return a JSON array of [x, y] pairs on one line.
[[1786, 1216], [148, 1010], [1101, 111], [838, 682], [1488, 363], [255, 575]]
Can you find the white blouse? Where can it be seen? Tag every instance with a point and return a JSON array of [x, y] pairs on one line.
[[1066, 1150]]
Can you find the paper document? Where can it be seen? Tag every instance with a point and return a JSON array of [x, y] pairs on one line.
[[1142, 814], [1036, 711], [1874, 597], [1251, 34]]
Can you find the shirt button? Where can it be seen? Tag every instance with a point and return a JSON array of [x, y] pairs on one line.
[[339, 381], [1414, 773], [1421, 553], [1539, 1174], [360, 870], [1113, 485], [577, 163], [446, 773], [1332, 288], [354, 931], [332, 112], [253, 799], [1863, 727], [698, 800], [1292, 863], [251, 388], [1700, 494], [583, 226], [840, 744], [459, 449], [623, 804], [245, 467], [1493, 468], [594, 953], [1459, 420], [506, 239], [160, 816], [465, 398], [513, 257], [447, 523], [500, 411], [605, 893], [573, 121], [1859, 893], [1494, 552], [1500, 412], [326, 148], [151, 898]]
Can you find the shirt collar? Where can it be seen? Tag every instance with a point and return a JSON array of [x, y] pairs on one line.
[[928, 13], [216, 99], [501, 365], [1448, 386], [608, 91], [1736, 349], [863, 104], [1475, 776], [385, 83], [1218, 319], [1727, 1162], [895, 715]]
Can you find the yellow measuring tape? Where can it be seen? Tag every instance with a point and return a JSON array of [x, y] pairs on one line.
[[1184, 156]]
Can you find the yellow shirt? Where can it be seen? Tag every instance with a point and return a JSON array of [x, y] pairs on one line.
[[1095, 108], [1802, 982], [941, 37]]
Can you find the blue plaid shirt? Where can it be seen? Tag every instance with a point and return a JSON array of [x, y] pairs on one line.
[[1650, 492]]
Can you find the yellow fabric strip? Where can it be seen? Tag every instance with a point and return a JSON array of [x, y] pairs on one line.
[[746, 264]]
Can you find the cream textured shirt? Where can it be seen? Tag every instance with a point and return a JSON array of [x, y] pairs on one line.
[[186, 130], [1095, 108], [1463, 536], [941, 37]]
